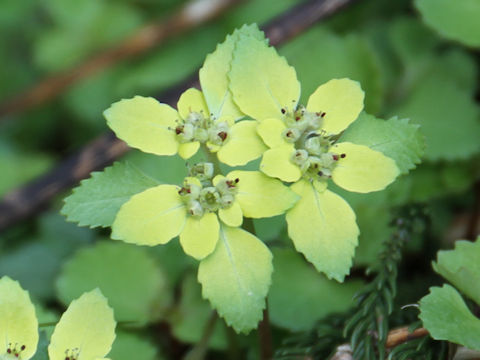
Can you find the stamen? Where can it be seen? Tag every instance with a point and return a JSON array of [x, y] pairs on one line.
[[283, 111], [343, 156], [222, 135], [179, 130]]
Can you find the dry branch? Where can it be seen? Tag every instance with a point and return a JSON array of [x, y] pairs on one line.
[[395, 337], [194, 13], [31, 198]]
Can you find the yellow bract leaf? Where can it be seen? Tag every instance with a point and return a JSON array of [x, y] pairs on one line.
[[200, 235], [271, 131], [145, 124], [322, 226], [243, 144], [192, 100], [152, 217], [276, 163], [232, 216], [260, 196], [235, 278], [86, 329], [363, 170], [18, 322], [214, 80], [261, 81], [187, 150], [341, 100]]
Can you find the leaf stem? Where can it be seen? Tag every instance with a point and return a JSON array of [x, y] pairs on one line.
[[265, 335], [264, 329], [200, 349]]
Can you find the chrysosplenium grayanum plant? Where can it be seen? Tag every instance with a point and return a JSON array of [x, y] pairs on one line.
[[248, 108]]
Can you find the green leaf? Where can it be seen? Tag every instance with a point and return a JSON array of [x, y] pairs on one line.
[[35, 266], [412, 41], [395, 138], [446, 317], [19, 167], [62, 237], [42, 352], [173, 260], [448, 116], [235, 278], [213, 74], [189, 318], [297, 305], [455, 20], [335, 57], [462, 267], [129, 346], [46, 316], [98, 199], [126, 274], [80, 28]]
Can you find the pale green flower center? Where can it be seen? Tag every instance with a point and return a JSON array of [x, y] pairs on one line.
[[72, 354], [206, 197], [197, 127], [14, 351], [312, 152]]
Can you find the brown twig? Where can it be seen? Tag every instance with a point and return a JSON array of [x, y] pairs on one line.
[[189, 16], [395, 337], [265, 336], [401, 335], [27, 200]]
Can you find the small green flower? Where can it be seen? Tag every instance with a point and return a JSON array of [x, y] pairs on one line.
[[207, 117], [85, 331], [196, 210], [306, 148]]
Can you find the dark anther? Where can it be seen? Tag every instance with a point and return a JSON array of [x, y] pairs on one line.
[[67, 358], [343, 156], [289, 133], [335, 157], [179, 130], [23, 347], [283, 111], [320, 173], [237, 180], [9, 351], [297, 118], [323, 114], [222, 135]]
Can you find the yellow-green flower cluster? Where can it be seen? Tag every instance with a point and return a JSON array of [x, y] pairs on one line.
[[249, 108]]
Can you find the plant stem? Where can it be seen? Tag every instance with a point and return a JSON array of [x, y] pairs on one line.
[[212, 158], [265, 336], [200, 349], [264, 329]]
